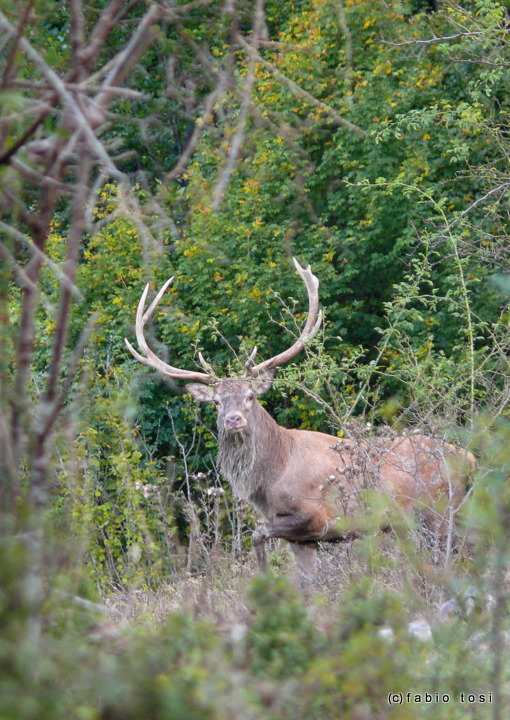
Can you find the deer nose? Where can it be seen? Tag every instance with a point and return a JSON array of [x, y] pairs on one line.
[[234, 421]]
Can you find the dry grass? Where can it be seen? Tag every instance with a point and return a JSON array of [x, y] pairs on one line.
[[219, 592]]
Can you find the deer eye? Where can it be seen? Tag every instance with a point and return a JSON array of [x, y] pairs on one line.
[[250, 397], [217, 402]]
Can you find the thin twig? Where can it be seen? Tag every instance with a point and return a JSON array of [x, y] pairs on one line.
[[349, 53], [238, 139], [433, 40]]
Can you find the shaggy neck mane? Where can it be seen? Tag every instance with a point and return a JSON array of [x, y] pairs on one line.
[[247, 458]]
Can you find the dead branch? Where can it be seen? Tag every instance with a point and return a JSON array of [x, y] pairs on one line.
[[79, 119], [77, 33], [143, 37], [11, 57], [107, 21]]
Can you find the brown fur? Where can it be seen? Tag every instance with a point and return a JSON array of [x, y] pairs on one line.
[[304, 481]]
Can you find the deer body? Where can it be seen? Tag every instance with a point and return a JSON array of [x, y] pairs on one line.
[[303, 481]]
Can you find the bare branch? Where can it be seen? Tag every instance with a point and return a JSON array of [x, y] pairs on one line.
[[6, 156], [41, 255], [37, 148], [32, 109], [434, 40], [80, 201], [9, 65], [7, 257], [176, 11], [238, 139], [48, 411], [105, 24], [502, 189], [86, 87], [124, 61], [76, 113], [77, 33], [349, 54]]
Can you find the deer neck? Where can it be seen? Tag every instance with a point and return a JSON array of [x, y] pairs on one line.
[[253, 459]]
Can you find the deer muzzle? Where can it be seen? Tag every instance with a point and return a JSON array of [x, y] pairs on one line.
[[234, 422]]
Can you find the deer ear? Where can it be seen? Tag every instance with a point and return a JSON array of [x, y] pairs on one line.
[[202, 393], [263, 382]]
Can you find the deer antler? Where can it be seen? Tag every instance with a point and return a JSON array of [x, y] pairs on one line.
[[149, 357], [309, 331]]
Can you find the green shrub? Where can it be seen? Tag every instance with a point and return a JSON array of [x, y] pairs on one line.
[[282, 638]]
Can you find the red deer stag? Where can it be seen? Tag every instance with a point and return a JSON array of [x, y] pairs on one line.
[[305, 482]]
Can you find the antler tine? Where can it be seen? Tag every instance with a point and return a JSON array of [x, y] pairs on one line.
[[312, 325], [149, 357], [207, 366], [148, 314]]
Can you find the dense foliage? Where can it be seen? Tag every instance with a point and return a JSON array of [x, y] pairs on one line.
[[212, 141]]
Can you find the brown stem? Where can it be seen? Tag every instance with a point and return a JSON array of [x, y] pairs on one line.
[[238, 139], [47, 410], [26, 335], [11, 58], [349, 54]]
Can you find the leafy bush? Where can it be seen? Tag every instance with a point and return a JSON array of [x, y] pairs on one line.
[[282, 639]]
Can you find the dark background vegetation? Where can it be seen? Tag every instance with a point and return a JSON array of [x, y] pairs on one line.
[[212, 141]]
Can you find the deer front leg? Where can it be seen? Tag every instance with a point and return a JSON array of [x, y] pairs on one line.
[[296, 528], [305, 553], [258, 540]]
